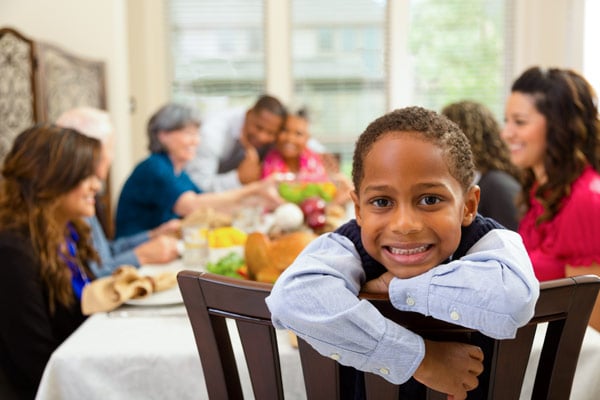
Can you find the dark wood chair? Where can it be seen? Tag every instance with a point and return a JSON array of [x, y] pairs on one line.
[[564, 304]]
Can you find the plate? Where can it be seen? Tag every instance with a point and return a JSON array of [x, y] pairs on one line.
[[163, 298]]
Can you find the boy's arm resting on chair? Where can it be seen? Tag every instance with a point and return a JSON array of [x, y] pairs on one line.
[[316, 297], [491, 289]]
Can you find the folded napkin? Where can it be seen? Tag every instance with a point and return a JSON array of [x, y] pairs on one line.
[[125, 283]]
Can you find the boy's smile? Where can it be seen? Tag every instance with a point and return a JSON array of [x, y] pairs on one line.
[[410, 208]]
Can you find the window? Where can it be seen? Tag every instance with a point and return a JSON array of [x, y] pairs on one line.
[[340, 54], [218, 52], [338, 67], [458, 50]]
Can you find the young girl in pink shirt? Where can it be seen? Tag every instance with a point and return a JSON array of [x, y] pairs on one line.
[[291, 154]]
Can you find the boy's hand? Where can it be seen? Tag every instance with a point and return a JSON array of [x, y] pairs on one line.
[[450, 368], [378, 285]]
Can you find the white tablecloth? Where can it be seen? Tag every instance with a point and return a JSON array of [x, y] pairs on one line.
[[141, 352], [140, 357]]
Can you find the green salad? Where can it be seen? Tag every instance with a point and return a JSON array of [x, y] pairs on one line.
[[228, 265]]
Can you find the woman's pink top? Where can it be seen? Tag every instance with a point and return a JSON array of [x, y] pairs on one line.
[[572, 237], [311, 166]]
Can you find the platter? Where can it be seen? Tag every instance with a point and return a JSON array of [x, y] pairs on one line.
[[164, 298]]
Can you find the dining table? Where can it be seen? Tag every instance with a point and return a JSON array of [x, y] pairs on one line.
[[145, 349]]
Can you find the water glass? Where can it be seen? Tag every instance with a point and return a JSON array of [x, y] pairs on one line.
[[195, 240]]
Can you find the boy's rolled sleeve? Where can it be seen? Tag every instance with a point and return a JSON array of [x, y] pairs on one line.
[[491, 289]]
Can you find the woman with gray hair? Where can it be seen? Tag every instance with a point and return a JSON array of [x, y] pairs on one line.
[[159, 189]]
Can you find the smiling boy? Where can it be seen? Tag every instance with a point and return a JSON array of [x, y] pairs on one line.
[[418, 237]]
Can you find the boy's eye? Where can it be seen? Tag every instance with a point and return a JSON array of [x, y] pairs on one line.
[[381, 203], [430, 200]]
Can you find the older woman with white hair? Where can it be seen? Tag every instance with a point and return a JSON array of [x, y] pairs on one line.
[[155, 246], [159, 188]]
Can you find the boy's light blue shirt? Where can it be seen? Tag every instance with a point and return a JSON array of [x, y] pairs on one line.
[[492, 289]]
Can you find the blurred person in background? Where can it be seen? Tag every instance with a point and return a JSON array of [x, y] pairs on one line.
[[155, 246], [291, 154], [234, 142], [496, 175], [553, 134], [48, 187], [159, 188]]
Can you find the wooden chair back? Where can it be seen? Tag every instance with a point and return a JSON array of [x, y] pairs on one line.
[[564, 304]]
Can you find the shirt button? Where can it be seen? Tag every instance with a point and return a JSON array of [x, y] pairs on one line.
[[335, 356], [384, 371], [454, 316], [410, 301]]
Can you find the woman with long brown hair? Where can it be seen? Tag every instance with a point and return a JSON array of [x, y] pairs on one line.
[[48, 185], [553, 133]]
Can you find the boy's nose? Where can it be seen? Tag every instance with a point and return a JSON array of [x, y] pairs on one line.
[[405, 221]]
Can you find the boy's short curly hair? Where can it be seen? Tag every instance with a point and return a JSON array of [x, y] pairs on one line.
[[428, 125]]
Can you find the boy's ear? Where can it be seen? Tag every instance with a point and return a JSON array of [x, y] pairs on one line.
[[471, 204], [354, 197]]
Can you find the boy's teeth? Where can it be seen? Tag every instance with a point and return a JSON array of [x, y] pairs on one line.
[[416, 250]]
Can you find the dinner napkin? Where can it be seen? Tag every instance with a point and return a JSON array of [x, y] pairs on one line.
[[108, 293]]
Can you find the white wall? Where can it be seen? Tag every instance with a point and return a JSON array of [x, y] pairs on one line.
[[149, 67], [548, 33], [94, 29], [591, 60]]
